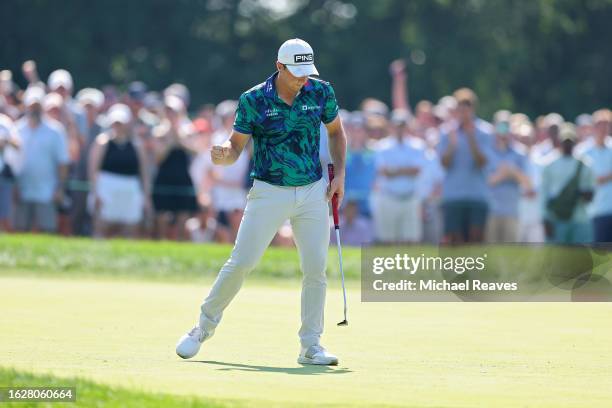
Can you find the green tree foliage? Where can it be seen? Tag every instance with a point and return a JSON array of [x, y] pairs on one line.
[[533, 56]]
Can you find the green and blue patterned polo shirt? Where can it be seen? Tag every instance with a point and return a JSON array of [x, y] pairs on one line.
[[286, 138]]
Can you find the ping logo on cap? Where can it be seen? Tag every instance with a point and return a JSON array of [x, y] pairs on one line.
[[297, 58]]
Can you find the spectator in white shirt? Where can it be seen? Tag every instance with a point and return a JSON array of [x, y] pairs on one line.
[[396, 204]]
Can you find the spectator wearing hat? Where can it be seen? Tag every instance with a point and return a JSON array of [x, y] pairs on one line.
[[120, 191], [600, 159], [179, 90], [506, 168], [396, 205], [530, 226], [56, 110], [567, 187], [464, 149], [9, 150], [547, 135], [174, 197], [60, 82], [44, 166], [376, 113], [91, 100], [584, 127]]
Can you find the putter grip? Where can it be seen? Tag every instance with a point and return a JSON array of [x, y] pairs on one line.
[[330, 172]]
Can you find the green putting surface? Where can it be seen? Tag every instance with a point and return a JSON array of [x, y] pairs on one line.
[[122, 334]]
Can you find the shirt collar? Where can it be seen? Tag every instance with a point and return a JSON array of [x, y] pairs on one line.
[[270, 85]]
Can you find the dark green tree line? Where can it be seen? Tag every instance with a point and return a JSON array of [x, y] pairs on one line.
[[533, 56]]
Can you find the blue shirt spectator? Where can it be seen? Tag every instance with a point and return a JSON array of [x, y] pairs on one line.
[[397, 155], [505, 195], [44, 148], [464, 179], [600, 160], [360, 176]]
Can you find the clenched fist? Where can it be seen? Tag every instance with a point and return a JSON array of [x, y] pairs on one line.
[[219, 154]]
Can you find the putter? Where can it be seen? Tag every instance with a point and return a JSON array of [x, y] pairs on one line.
[[330, 172]]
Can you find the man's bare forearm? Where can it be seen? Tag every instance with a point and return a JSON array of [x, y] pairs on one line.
[[337, 150]]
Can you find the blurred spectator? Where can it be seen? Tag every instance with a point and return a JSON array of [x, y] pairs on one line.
[[118, 178], [463, 150], [356, 229], [429, 191], [457, 152], [205, 228], [506, 177], [30, 73], [424, 121], [360, 164], [548, 135], [8, 91], [174, 197], [143, 121], [584, 127], [396, 205], [9, 145], [55, 109], [60, 82], [531, 228], [91, 100], [375, 113], [424, 118], [44, 171], [142, 124], [200, 169], [228, 191], [567, 186], [180, 91], [600, 159]]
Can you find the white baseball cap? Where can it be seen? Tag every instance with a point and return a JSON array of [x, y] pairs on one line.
[[174, 103], [60, 77], [298, 56], [32, 95], [52, 100], [119, 112], [90, 96]]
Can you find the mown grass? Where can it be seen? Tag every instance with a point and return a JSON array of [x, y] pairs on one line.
[[91, 394], [150, 260]]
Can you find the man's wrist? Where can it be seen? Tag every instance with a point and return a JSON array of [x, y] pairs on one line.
[[339, 173]]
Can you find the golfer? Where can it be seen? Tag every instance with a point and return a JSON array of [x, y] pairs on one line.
[[283, 116]]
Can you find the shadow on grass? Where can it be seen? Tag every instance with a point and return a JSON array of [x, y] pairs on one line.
[[303, 370]]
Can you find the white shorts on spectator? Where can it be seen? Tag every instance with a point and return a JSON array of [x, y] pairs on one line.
[[501, 230], [122, 198], [397, 219]]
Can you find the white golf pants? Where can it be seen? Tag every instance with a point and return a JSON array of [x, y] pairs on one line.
[[268, 206]]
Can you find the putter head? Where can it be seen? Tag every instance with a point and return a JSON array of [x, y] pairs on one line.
[[343, 323]]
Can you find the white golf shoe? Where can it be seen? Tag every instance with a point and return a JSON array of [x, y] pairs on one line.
[[189, 345], [317, 355]]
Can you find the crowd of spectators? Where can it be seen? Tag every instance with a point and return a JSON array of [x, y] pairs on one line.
[[104, 163]]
